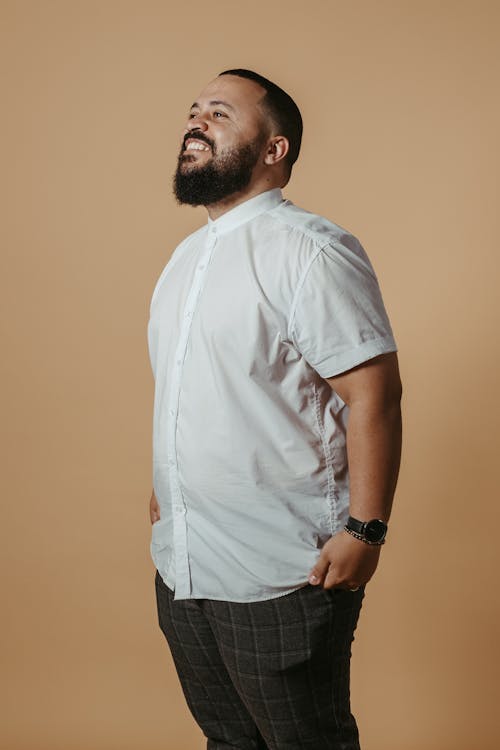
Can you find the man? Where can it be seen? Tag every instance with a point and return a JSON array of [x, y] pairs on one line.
[[276, 435]]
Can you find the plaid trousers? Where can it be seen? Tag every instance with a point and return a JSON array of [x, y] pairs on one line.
[[267, 675]]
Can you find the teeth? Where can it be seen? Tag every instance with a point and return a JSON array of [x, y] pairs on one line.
[[196, 146]]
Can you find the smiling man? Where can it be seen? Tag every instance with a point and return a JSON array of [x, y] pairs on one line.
[[277, 434]]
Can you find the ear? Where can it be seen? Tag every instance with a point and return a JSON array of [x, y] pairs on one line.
[[277, 149]]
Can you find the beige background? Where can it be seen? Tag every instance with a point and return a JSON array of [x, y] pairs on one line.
[[400, 101]]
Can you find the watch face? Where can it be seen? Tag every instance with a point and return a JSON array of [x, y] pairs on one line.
[[375, 531]]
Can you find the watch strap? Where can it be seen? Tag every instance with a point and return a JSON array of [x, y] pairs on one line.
[[363, 538], [370, 532], [354, 525]]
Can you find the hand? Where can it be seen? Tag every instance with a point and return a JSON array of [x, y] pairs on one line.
[[345, 562], [154, 509]]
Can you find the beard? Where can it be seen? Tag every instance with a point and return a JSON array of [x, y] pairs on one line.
[[224, 175]]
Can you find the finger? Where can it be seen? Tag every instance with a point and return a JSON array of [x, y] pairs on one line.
[[332, 579], [319, 571]]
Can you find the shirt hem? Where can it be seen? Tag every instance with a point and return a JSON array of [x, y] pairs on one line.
[[242, 601]]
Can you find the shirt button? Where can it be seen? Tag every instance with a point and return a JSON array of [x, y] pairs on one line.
[[201, 267], [171, 462], [171, 412]]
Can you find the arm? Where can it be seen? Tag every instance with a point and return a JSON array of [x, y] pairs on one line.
[[373, 393]]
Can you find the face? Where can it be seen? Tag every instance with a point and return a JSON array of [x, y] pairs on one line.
[[223, 141]]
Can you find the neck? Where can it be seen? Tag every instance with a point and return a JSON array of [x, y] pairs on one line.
[[215, 210]]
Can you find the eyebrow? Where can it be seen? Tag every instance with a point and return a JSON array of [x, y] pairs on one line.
[[214, 103]]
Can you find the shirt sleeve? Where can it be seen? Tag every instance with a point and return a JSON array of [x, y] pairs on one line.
[[339, 319]]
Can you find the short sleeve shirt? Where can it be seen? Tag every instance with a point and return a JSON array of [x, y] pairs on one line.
[[250, 315]]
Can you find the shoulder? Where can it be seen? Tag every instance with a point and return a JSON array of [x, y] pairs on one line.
[[188, 243], [318, 235], [318, 229], [318, 238], [190, 240]]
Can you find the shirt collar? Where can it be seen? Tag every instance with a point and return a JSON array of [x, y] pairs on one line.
[[246, 211]]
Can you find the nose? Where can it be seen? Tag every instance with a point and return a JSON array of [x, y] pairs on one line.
[[196, 123]]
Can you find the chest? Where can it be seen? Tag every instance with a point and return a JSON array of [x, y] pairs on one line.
[[234, 292]]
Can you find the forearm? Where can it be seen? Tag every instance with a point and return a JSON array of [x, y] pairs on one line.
[[373, 449], [373, 393], [374, 452]]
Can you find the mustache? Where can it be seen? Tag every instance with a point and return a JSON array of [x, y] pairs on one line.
[[199, 136]]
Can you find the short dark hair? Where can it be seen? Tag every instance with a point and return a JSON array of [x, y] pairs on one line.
[[282, 109]]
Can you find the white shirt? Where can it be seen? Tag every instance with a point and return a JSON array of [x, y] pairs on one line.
[[249, 441]]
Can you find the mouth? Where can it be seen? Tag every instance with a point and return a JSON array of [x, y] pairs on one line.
[[193, 144]]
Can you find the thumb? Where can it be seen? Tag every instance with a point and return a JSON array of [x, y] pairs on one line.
[[318, 573]]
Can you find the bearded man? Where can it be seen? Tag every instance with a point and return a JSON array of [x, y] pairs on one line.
[[277, 433]]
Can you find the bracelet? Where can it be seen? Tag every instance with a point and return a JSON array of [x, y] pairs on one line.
[[362, 538]]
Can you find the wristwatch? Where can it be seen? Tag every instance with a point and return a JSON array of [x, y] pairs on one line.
[[370, 532]]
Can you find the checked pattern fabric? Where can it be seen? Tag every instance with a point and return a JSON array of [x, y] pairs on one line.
[[266, 675]]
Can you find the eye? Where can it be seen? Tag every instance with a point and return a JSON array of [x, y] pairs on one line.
[[219, 114], [191, 115]]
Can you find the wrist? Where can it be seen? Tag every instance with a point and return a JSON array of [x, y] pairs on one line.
[[372, 532]]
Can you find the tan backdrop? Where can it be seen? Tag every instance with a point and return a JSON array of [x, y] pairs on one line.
[[400, 101]]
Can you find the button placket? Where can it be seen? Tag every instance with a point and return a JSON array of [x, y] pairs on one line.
[[180, 512]]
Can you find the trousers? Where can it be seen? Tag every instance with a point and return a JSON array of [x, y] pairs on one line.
[[267, 675]]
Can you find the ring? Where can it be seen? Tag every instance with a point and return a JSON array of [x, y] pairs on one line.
[[356, 589]]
